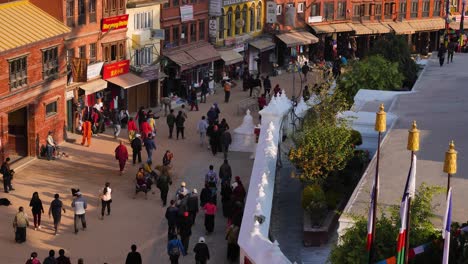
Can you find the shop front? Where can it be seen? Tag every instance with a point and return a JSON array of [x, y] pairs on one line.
[[262, 55], [294, 46], [426, 37], [230, 64]]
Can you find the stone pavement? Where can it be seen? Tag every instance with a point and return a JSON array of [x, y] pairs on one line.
[[137, 220], [438, 104]]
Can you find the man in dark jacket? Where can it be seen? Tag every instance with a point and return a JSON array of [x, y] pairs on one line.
[[116, 122], [305, 69], [62, 259], [7, 175], [136, 147], [171, 216], [133, 257], [205, 195], [51, 258], [267, 85], [202, 253], [441, 54], [225, 172], [204, 89], [185, 229], [149, 146], [170, 120], [192, 205], [225, 142]]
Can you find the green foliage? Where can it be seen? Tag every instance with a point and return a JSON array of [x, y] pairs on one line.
[[333, 198], [353, 244], [312, 196], [374, 72], [356, 138], [395, 49]]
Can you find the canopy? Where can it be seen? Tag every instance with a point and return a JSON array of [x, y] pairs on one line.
[[127, 80]]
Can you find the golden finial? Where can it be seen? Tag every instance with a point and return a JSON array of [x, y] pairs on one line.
[[381, 120], [413, 138], [450, 163]]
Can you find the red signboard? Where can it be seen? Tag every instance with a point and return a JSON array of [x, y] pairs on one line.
[[115, 69], [116, 22]]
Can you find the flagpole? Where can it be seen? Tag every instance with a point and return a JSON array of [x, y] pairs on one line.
[[380, 127], [450, 163], [413, 146]]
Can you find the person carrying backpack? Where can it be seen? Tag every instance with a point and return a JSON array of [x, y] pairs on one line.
[[175, 249]]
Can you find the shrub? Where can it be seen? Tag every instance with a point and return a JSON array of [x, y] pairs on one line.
[[356, 138], [312, 194], [333, 198]]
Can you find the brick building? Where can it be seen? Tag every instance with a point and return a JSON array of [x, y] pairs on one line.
[[32, 78]]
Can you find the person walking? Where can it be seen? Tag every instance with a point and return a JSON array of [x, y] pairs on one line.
[[166, 102], [210, 212], [450, 51], [149, 146], [62, 259], [226, 140], [121, 154], [225, 172], [180, 120], [277, 90], [267, 85], [202, 253], [163, 182], [306, 93], [226, 193], [238, 192], [211, 177], [305, 69], [133, 257], [86, 130], [80, 205], [202, 127], [55, 209], [50, 145], [441, 54], [193, 99], [51, 258], [227, 90], [192, 205], [33, 259], [116, 122], [37, 210], [167, 158], [175, 249], [232, 235], [7, 175], [170, 120], [19, 224], [261, 102], [132, 129], [214, 134], [185, 229], [171, 215], [136, 148], [106, 199]]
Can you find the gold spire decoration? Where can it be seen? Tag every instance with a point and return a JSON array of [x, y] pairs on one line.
[[450, 163], [381, 120], [413, 138]]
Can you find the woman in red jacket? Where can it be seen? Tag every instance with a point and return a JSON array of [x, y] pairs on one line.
[[132, 129]]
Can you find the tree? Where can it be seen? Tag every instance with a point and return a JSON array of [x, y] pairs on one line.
[[374, 72], [395, 49], [352, 248]]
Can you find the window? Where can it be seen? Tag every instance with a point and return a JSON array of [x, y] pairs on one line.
[[252, 18], [167, 35], [259, 16], [113, 51], [341, 12], [183, 34], [82, 52], [201, 30], [144, 56], [436, 8], [175, 2], [51, 109], [328, 10], [244, 19], [71, 13], [315, 9], [425, 8], [92, 52], [378, 10], [166, 5], [414, 8], [122, 4], [143, 20], [18, 72], [175, 35], [113, 7], [229, 22], [238, 19], [81, 12], [279, 10], [300, 7], [388, 10], [193, 32], [221, 25], [92, 11], [50, 62], [70, 54], [402, 12]]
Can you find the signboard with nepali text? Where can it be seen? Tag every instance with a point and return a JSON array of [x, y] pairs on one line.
[[115, 69], [116, 22]]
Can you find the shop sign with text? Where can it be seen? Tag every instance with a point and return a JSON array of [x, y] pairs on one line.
[[116, 22], [115, 69]]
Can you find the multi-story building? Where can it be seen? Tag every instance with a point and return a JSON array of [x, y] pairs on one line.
[[32, 78], [188, 56], [144, 44]]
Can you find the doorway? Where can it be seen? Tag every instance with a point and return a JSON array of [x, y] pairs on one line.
[[18, 133]]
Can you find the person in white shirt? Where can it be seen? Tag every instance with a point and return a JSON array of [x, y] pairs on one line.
[[202, 126], [106, 199], [50, 146]]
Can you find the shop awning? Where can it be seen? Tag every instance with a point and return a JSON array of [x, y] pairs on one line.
[[203, 54], [322, 29], [182, 59], [341, 27], [230, 57], [297, 38], [456, 25], [401, 28], [127, 80], [378, 28], [263, 44], [428, 24], [360, 29], [94, 86]]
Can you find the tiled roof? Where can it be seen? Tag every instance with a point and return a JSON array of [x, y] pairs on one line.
[[23, 23]]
